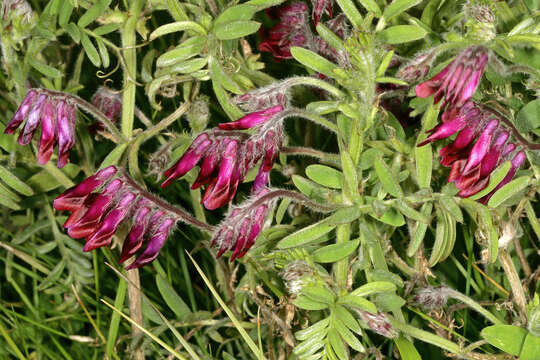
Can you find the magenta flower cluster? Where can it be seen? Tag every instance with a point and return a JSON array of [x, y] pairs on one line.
[[56, 115], [293, 29], [242, 225], [226, 155], [102, 202], [482, 143]]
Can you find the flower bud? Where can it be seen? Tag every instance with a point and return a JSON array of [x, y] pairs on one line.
[[294, 276], [432, 298]]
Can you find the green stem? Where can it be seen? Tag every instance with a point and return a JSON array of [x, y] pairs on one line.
[[426, 336], [147, 134], [343, 234], [129, 40], [474, 305], [309, 81]]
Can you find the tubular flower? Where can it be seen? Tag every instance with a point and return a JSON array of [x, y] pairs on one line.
[[481, 145], [105, 200], [378, 323], [225, 157], [292, 30], [109, 103], [56, 114], [417, 68], [242, 225], [458, 81]]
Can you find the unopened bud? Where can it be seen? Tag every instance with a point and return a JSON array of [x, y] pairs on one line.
[[378, 323], [198, 114], [294, 275], [432, 298]]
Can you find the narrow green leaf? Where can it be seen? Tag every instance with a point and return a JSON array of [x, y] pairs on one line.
[[232, 111], [406, 349], [350, 10], [305, 235], [236, 29], [314, 61], [399, 34], [313, 330], [8, 202], [411, 213], [420, 231], [330, 37], [335, 252], [173, 300], [494, 179], [397, 7], [188, 49], [103, 53], [349, 337], [509, 190], [93, 13], [218, 74], [90, 50], [306, 303], [337, 344], [358, 302], [319, 293], [388, 182], [45, 69], [106, 29], [176, 9], [175, 27], [65, 13], [374, 287], [371, 5], [14, 182], [439, 246], [189, 66], [450, 204], [384, 63], [325, 175], [236, 13], [74, 32]]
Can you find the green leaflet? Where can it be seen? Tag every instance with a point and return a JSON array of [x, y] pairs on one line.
[[401, 34]]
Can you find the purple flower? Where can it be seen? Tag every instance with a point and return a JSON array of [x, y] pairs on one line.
[[56, 114], [417, 68], [378, 323], [242, 225], [225, 157], [102, 202], [458, 81], [292, 30], [253, 119], [109, 103], [481, 145]]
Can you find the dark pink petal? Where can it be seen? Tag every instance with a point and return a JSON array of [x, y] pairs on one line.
[[242, 238], [72, 198], [253, 119], [104, 233], [135, 238], [91, 219], [48, 125], [21, 113], [481, 146], [155, 243], [428, 88], [65, 131], [33, 121], [456, 170], [445, 130], [493, 157], [188, 161], [218, 194], [208, 170]]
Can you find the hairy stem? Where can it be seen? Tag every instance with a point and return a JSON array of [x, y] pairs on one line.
[[181, 214], [473, 305]]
